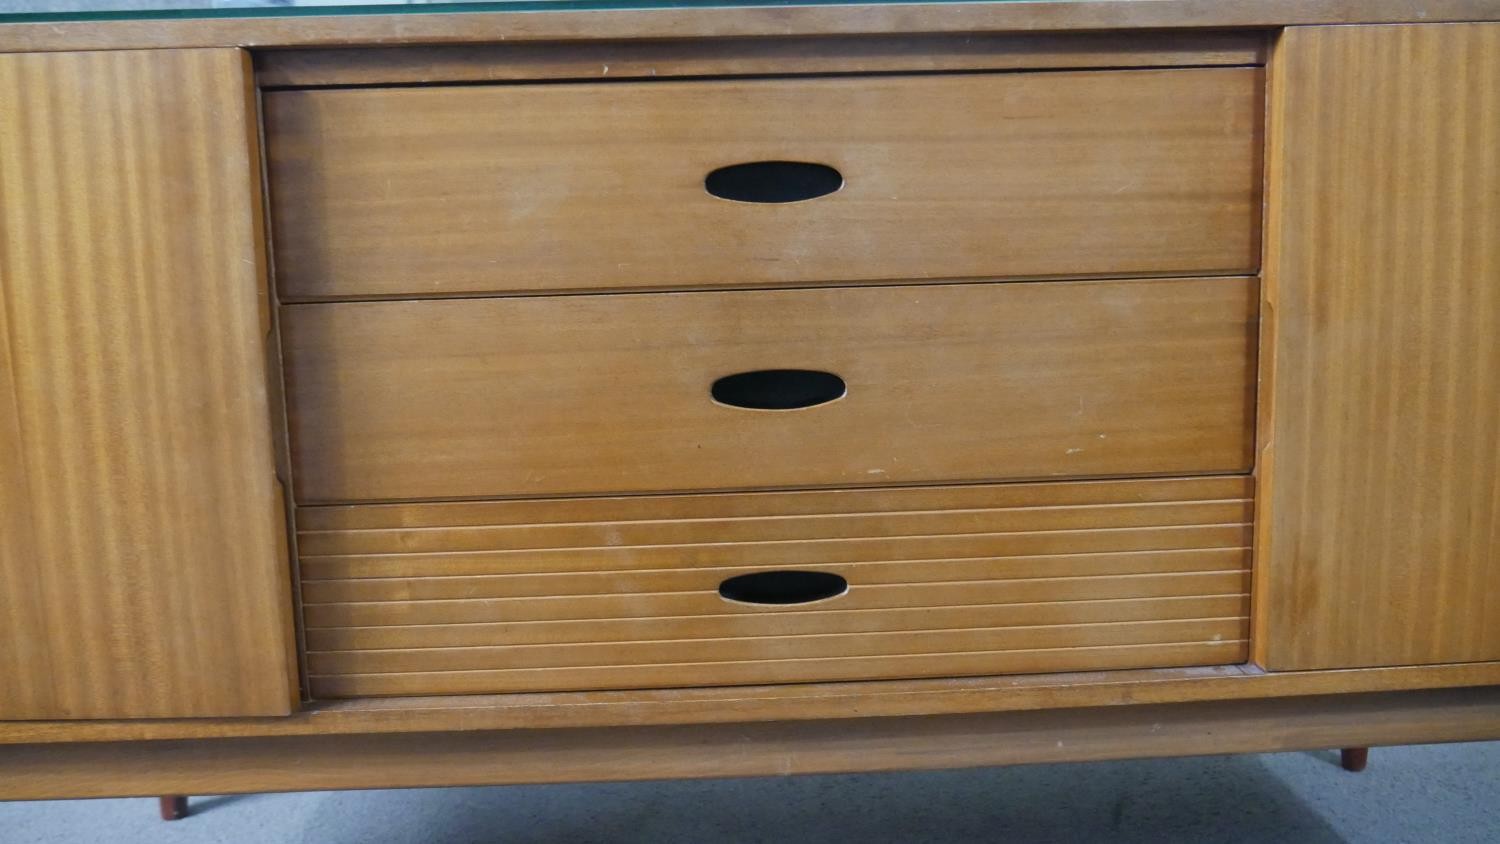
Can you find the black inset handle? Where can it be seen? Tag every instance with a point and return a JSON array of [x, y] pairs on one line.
[[773, 181], [782, 587], [778, 389]]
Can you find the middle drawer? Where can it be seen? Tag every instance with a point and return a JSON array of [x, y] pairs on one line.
[[616, 393]]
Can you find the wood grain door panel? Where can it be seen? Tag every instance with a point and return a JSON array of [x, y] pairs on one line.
[[143, 558], [1380, 540]]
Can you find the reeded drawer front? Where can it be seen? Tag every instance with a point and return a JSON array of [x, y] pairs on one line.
[[475, 597], [627, 393], [436, 190]]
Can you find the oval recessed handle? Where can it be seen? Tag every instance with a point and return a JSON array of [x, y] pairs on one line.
[[773, 181], [782, 587], [778, 389]]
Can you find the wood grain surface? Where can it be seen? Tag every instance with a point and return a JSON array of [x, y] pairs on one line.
[[594, 394], [777, 748], [441, 190], [1382, 519], [783, 702], [718, 22], [593, 593], [755, 56], [143, 565]]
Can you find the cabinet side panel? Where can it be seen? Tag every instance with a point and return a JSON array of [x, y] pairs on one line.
[[1382, 520], [143, 569]]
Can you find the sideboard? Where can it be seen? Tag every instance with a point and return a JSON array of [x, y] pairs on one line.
[[555, 394]]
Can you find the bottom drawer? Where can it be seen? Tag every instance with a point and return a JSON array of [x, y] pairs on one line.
[[611, 593]]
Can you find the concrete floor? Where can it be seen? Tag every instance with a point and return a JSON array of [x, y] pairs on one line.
[[1447, 793]]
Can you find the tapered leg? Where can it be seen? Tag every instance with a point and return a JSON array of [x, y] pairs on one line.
[[1354, 758], [174, 807]]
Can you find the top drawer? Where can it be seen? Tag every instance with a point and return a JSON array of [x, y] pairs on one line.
[[431, 191]]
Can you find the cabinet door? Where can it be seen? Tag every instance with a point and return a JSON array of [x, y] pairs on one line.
[[1380, 522], [143, 562]]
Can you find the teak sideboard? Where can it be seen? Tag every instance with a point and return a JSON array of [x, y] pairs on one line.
[[534, 396]]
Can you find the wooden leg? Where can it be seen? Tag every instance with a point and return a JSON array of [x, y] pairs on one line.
[[1354, 759], [174, 807]]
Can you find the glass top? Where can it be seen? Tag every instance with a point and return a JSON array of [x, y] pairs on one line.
[[14, 11]]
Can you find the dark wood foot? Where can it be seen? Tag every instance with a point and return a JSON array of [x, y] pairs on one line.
[[1354, 759], [174, 807]]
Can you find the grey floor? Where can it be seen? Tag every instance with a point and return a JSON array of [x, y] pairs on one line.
[[1448, 793]]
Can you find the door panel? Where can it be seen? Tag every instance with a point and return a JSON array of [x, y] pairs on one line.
[[143, 562], [1380, 527]]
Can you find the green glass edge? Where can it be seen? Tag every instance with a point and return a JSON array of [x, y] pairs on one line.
[[443, 8]]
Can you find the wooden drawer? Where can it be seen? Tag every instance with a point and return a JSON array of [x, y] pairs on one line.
[[596, 394], [478, 597], [439, 190]]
